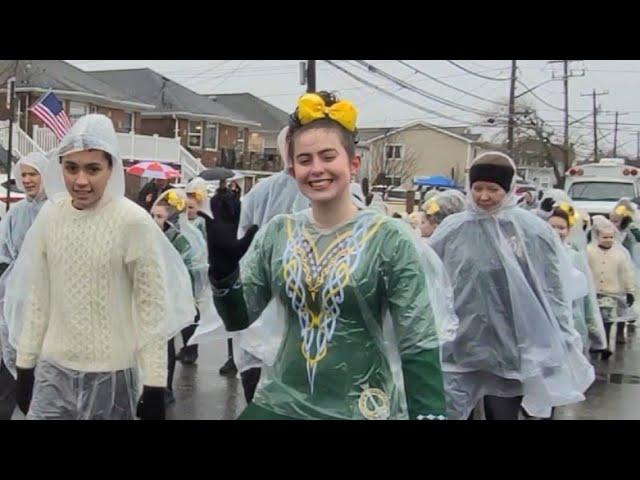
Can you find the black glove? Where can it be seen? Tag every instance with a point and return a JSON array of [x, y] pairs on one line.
[[630, 299], [547, 204], [151, 404], [225, 249], [24, 388]]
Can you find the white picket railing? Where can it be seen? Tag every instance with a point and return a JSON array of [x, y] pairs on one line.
[[190, 165], [132, 147], [21, 144], [45, 138]]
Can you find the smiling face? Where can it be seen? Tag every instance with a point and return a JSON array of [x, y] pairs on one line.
[[86, 175], [321, 165]]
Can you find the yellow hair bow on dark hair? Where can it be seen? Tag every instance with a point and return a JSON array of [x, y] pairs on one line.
[[570, 211], [622, 211], [312, 107]]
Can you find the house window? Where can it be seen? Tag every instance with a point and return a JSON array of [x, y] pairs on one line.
[[77, 110], [394, 152], [240, 140], [394, 180], [127, 122], [195, 134], [211, 136]]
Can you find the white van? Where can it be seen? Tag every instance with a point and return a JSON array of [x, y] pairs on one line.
[[597, 187]]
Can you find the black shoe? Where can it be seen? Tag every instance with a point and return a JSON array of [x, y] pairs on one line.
[[229, 368], [605, 354], [168, 397]]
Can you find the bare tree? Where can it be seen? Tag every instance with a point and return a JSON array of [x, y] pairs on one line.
[[384, 164]]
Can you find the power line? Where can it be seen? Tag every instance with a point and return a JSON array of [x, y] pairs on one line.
[[478, 74], [393, 95], [449, 85], [373, 69]]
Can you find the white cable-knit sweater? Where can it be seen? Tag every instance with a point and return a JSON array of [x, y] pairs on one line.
[[97, 302]]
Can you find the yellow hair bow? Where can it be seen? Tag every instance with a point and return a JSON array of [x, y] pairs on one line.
[[622, 211], [198, 195], [570, 211], [312, 107], [175, 201], [432, 207]]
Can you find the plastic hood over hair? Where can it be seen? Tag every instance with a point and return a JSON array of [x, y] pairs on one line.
[[198, 186], [91, 132], [36, 160], [283, 147], [557, 195], [511, 277], [509, 199], [601, 224], [444, 204]]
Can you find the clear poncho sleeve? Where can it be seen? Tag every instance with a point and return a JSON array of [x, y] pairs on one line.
[[27, 296], [592, 317], [163, 299], [415, 331]]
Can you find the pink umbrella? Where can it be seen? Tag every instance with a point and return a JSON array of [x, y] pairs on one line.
[[153, 170]]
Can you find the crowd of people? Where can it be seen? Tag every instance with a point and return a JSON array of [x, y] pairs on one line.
[[331, 308]]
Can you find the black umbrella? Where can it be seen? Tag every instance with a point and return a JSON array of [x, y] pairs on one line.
[[14, 188], [217, 173]]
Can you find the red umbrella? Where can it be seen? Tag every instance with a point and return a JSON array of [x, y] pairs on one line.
[[153, 170]]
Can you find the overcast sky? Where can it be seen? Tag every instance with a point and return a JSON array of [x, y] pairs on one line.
[[277, 81]]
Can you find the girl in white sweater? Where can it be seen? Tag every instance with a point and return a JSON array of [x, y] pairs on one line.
[[99, 308], [612, 274]]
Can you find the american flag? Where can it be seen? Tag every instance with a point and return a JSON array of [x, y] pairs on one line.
[[49, 109]]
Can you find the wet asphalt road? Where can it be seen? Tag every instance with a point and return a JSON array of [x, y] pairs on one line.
[[202, 393]]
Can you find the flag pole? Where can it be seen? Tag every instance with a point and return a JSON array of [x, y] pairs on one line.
[[11, 87]]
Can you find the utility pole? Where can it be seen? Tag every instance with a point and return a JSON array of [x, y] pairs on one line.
[[311, 76], [512, 94], [637, 145], [615, 134], [565, 78], [11, 90], [595, 94]]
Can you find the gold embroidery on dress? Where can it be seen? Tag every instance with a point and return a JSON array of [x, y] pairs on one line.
[[315, 283]]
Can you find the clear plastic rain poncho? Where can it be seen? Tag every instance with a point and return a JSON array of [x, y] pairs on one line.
[[586, 314], [13, 229], [356, 336], [96, 295], [192, 247], [516, 334], [442, 204], [613, 305], [577, 235], [629, 237]]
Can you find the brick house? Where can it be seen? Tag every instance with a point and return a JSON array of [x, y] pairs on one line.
[[209, 130]]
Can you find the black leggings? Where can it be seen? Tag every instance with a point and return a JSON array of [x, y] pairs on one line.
[[187, 333], [7, 393], [250, 379], [500, 408], [171, 364]]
